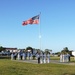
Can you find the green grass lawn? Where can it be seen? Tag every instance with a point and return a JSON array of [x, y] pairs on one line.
[[8, 67]]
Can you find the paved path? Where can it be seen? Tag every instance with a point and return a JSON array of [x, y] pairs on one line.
[[51, 61]]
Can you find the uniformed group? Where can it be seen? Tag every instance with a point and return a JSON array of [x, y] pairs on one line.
[[41, 57], [21, 55], [64, 57]]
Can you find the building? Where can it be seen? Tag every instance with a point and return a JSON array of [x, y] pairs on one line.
[[10, 49]]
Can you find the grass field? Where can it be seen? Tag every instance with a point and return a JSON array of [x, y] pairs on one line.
[[8, 67]]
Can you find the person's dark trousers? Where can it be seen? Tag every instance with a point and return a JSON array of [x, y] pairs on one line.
[[69, 58], [39, 60], [21, 57], [15, 57]]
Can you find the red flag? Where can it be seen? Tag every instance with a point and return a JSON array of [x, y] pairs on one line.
[[33, 20]]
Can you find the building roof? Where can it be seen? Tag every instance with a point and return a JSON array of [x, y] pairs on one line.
[[7, 48]]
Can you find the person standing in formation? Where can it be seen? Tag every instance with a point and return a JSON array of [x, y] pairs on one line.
[[24, 56], [41, 58], [48, 58], [12, 56], [18, 56], [61, 58], [38, 56], [68, 57], [44, 57], [30, 55]]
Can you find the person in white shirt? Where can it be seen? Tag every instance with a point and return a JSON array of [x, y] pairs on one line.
[[12, 56], [41, 58], [61, 58], [48, 58], [18, 56]]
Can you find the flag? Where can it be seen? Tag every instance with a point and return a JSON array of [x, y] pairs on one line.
[[33, 20]]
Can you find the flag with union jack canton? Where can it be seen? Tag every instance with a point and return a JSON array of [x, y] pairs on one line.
[[33, 20]]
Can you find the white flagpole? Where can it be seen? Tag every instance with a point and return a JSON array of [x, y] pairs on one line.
[[40, 29]]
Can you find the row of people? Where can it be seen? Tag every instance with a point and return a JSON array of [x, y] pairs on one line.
[[42, 57], [64, 57], [21, 56]]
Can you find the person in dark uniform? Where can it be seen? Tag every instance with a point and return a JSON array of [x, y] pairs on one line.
[[69, 57], [38, 58], [21, 56], [15, 56]]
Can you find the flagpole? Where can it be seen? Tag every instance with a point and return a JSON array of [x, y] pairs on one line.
[[40, 30]]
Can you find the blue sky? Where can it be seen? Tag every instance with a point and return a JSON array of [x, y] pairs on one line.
[[57, 22]]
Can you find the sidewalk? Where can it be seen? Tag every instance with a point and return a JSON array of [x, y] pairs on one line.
[[51, 61]]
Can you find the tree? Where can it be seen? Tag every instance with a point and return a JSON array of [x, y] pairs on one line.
[[1, 48], [48, 51], [29, 48], [65, 50], [58, 53], [38, 50]]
